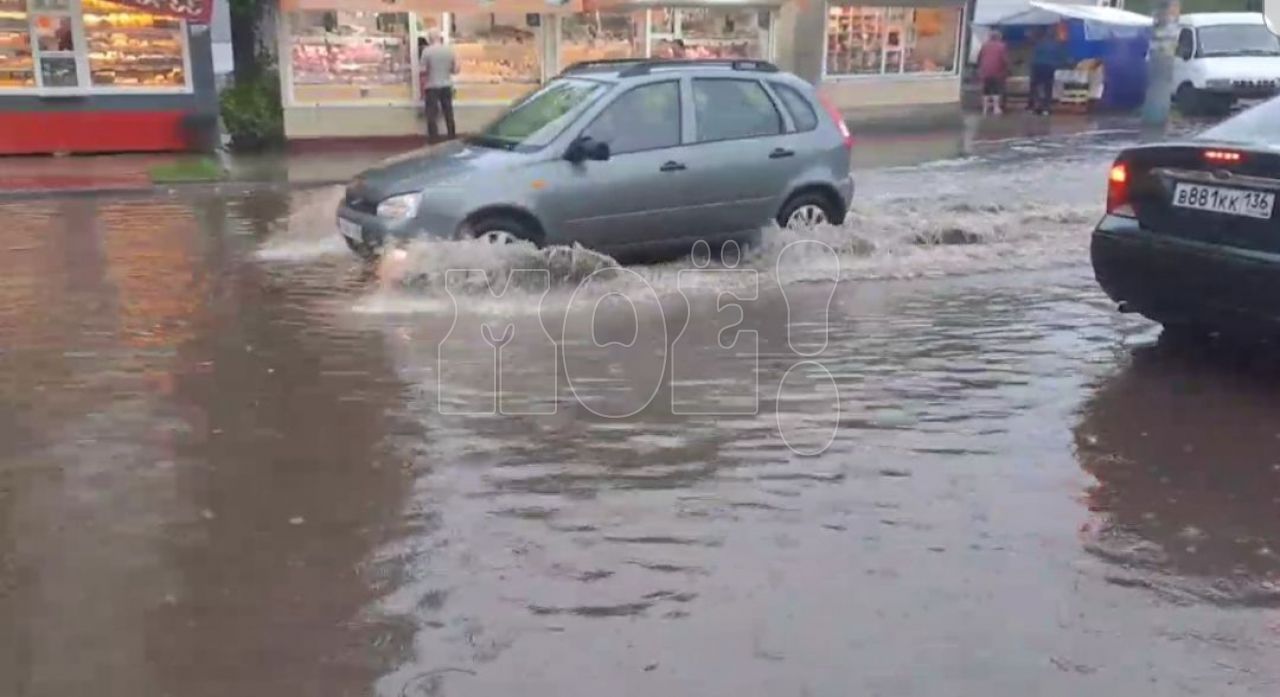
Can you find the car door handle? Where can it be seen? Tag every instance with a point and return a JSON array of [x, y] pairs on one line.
[[781, 152], [671, 166]]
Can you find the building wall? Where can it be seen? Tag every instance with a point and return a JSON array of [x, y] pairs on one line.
[[873, 92], [32, 124], [302, 123]]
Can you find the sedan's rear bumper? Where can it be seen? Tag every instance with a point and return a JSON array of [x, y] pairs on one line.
[[1180, 281]]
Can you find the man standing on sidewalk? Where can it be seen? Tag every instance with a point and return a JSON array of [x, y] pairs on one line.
[[993, 70], [439, 64]]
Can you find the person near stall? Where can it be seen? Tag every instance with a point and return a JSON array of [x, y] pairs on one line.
[[439, 65], [1047, 56], [993, 71]]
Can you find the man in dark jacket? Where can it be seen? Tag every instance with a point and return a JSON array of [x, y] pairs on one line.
[[1047, 56]]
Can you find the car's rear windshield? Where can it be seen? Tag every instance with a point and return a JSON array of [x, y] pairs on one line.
[[1238, 40], [538, 118], [1258, 126]]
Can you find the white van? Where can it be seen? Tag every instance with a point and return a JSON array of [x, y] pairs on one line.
[[1224, 57]]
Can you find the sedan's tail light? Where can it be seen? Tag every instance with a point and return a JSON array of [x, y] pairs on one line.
[[1118, 191], [834, 113], [1223, 157]]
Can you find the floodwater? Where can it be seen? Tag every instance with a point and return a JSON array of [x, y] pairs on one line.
[[919, 454]]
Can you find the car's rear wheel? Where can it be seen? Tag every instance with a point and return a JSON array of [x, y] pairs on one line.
[[806, 210], [503, 229]]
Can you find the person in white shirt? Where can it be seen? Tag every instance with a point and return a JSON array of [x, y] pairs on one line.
[[439, 65]]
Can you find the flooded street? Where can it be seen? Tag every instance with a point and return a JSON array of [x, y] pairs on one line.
[[234, 460]]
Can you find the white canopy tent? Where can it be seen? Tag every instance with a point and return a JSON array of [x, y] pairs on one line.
[[1039, 12]]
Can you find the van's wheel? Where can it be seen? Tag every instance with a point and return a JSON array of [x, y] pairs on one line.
[[807, 210], [1189, 100], [502, 229]]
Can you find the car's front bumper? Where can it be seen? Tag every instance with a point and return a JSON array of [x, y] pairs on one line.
[[1171, 280], [363, 228]]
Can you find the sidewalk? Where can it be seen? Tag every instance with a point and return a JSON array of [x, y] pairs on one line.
[[971, 134]]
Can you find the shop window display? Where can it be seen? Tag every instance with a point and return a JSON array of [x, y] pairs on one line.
[[351, 57], [17, 63], [591, 36], [48, 44], [129, 49], [498, 56], [709, 33], [892, 40]]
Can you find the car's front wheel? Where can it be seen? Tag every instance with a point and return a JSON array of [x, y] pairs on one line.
[[805, 210], [502, 229], [364, 250]]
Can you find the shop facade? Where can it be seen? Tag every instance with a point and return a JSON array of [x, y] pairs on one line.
[[352, 72], [96, 76], [883, 60]]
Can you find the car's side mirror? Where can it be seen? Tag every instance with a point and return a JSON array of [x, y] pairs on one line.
[[587, 148]]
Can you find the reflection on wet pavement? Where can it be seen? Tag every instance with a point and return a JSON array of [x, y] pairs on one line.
[[233, 460]]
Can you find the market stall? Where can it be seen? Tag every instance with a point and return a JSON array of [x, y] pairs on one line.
[[1106, 48], [98, 76]]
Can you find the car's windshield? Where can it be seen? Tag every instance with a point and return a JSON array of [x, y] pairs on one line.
[[538, 118], [1257, 126], [1238, 40]]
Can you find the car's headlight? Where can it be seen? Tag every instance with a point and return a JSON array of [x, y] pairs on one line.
[[399, 207]]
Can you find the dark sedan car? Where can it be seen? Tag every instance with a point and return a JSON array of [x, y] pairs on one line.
[[1191, 238]]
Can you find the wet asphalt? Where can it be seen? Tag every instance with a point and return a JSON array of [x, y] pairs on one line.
[[236, 461]]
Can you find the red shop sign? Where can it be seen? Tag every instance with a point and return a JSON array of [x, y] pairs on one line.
[[194, 11]]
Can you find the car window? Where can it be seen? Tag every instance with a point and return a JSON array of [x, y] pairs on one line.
[[1259, 125], [644, 118], [538, 118], [726, 109], [1238, 40], [802, 113]]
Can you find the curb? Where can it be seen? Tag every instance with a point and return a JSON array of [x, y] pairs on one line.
[[146, 187]]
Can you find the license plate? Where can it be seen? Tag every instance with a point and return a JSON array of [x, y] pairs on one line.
[[350, 229], [1219, 199]]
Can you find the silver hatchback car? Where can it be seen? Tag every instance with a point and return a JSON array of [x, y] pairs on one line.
[[621, 156]]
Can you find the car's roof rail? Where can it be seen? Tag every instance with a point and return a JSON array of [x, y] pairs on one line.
[[633, 67]]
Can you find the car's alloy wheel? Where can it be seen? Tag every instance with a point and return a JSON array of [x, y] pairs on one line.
[[806, 216], [498, 237]]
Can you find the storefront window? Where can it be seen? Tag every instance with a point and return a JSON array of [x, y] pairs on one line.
[[47, 44], [591, 36], [709, 33], [17, 66], [717, 33], [498, 56], [892, 40], [351, 57], [131, 49]]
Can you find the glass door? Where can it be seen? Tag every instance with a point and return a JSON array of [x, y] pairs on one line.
[[55, 25]]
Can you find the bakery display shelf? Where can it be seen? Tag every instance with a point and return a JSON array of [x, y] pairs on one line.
[[131, 32], [334, 39]]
